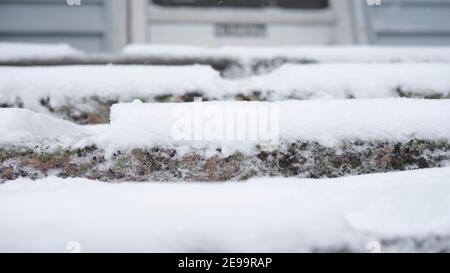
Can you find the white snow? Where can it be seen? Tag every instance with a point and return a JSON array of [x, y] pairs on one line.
[[25, 126], [148, 124], [393, 204], [316, 53], [351, 80], [328, 122], [13, 51], [63, 83], [264, 214], [261, 215], [69, 84]]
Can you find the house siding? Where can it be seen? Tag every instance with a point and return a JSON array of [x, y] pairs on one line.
[[87, 27], [409, 22]]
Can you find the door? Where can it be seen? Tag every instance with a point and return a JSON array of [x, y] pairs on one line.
[[253, 22]]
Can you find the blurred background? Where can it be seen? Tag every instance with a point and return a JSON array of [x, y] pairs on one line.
[[108, 25]]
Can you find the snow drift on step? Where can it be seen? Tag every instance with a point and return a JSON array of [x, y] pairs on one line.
[[24, 126], [352, 81], [328, 122], [11, 51], [314, 53], [265, 214], [393, 204], [63, 83], [76, 85]]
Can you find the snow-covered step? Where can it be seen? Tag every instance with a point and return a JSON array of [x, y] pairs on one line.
[[231, 61], [84, 93], [21, 126], [401, 212], [191, 141], [342, 81], [327, 122], [11, 52], [350, 54], [230, 125]]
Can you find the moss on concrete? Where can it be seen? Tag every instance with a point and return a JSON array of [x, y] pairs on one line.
[[295, 159]]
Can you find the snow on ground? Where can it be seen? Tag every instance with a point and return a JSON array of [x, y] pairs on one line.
[[64, 85], [328, 122], [393, 204], [22, 126], [315, 53], [11, 51], [352, 80], [60, 83], [265, 214]]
